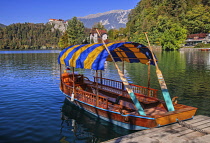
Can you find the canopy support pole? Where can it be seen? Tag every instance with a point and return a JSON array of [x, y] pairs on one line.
[[101, 76], [123, 70], [162, 83], [148, 78], [123, 67], [126, 84], [72, 95], [96, 88], [61, 83]]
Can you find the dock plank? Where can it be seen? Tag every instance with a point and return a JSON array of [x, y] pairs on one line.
[[180, 131], [193, 134], [170, 134]]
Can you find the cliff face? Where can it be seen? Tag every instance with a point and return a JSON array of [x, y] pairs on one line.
[[114, 19], [60, 25]]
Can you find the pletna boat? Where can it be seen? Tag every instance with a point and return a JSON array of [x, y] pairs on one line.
[[130, 106]]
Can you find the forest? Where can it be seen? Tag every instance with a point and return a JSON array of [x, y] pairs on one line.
[[29, 36], [167, 22]]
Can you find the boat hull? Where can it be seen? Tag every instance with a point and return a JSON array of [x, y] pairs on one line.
[[115, 106], [123, 121], [132, 122]]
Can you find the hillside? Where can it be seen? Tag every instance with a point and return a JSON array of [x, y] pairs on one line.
[[168, 22], [28, 36], [2, 25]]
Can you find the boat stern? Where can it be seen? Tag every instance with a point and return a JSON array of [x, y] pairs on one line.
[[173, 116]]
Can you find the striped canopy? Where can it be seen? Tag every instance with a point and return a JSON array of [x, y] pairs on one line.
[[93, 56]]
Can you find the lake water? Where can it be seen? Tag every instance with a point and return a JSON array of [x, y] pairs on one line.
[[34, 110]]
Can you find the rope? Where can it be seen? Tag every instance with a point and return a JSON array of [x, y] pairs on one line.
[[184, 124]]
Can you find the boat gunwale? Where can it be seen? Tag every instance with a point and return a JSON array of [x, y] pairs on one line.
[[151, 120], [141, 116], [151, 117]]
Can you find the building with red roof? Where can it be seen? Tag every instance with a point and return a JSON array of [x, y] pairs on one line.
[[95, 38], [194, 39]]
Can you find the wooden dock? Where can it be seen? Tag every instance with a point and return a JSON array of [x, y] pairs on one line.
[[174, 133], [194, 49]]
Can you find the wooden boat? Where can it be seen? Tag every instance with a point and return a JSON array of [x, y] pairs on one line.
[[127, 105], [204, 49]]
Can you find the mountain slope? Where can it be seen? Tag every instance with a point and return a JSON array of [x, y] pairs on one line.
[[2, 25], [111, 19]]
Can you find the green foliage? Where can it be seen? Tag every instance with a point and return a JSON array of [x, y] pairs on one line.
[[63, 41], [172, 34], [75, 31], [28, 36], [202, 45], [197, 20], [118, 35], [168, 21], [99, 25]]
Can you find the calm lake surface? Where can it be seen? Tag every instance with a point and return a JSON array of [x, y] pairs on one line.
[[33, 110]]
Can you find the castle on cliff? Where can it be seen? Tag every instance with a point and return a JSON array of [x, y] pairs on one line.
[[59, 24]]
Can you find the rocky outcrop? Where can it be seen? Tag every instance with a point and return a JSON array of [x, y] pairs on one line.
[[61, 25]]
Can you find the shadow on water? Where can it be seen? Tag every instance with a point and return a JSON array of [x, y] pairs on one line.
[[79, 126]]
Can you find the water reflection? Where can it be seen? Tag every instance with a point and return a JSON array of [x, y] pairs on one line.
[[85, 127], [199, 59], [187, 76], [27, 51], [29, 90], [70, 116]]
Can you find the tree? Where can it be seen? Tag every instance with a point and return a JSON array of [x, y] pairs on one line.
[[28, 35], [197, 20], [63, 41], [99, 25], [118, 35], [171, 34], [75, 31], [168, 21]]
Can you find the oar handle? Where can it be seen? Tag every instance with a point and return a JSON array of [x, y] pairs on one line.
[[161, 80], [125, 82], [150, 48]]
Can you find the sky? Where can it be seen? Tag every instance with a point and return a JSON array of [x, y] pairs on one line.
[[40, 11]]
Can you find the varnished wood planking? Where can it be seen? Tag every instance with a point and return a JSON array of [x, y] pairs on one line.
[[173, 117], [171, 133], [102, 106]]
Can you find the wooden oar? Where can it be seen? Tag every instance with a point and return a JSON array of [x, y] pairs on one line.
[[161, 80], [125, 82]]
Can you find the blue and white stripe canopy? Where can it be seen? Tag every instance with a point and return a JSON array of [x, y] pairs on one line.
[[93, 56]]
